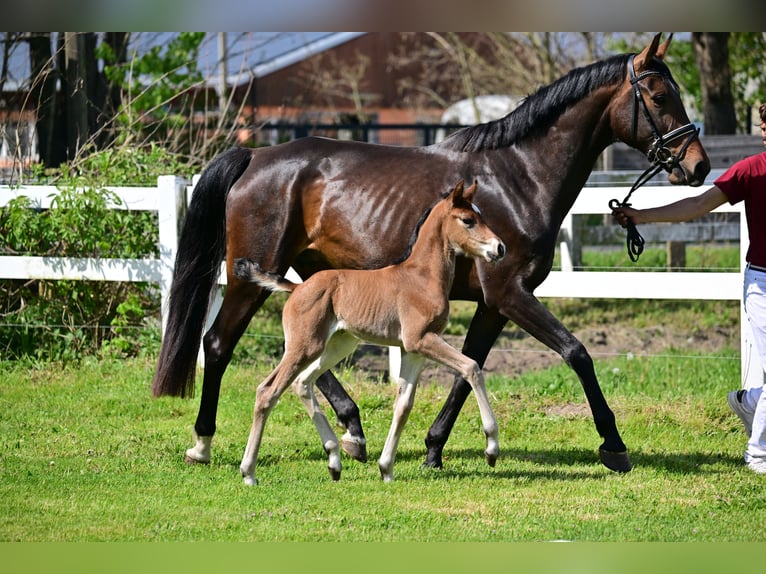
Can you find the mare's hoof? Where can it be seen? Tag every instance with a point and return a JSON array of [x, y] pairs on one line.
[[355, 448], [433, 461], [491, 459], [616, 461], [191, 460], [335, 474]]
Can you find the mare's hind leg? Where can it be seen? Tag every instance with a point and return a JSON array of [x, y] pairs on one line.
[[353, 441], [340, 345], [485, 327], [411, 367], [436, 348], [242, 300]]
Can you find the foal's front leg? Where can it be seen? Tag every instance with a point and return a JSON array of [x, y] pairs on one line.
[[411, 367], [436, 348]]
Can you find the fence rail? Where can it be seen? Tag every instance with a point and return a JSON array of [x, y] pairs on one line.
[[171, 196]]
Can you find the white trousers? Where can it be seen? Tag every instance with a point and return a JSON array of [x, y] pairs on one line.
[[754, 400]]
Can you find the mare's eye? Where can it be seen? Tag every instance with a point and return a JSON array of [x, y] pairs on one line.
[[659, 99], [468, 221]]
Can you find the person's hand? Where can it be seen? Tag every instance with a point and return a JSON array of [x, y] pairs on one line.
[[623, 215]]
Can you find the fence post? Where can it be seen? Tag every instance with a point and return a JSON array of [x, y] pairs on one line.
[[171, 209], [570, 246]]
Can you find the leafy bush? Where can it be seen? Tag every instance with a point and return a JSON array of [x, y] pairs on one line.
[[64, 320]]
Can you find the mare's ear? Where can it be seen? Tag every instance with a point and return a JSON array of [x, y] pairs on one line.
[[663, 48], [641, 61]]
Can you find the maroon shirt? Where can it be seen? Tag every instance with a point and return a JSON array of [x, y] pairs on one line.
[[746, 180]]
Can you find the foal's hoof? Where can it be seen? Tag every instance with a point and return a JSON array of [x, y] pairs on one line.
[[490, 458], [354, 447], [335, 474], [616, 461]]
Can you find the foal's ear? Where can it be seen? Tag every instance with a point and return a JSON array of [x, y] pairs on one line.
[[469, 193], [641, 61], [457, 191]]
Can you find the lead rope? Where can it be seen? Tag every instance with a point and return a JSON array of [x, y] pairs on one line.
[[634, 241]]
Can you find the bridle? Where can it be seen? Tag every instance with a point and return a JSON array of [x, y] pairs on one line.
[[660, 156]]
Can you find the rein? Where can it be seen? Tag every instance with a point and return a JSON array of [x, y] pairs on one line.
[[659, 155]]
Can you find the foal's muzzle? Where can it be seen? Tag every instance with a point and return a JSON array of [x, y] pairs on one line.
[[495, 252]]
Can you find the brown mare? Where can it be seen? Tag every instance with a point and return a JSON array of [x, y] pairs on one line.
[[318, 203], [406, 304]]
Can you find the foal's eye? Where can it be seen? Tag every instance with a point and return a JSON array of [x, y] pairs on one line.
[[468, 221]]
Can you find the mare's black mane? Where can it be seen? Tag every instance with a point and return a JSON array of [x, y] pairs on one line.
[[539, 110]]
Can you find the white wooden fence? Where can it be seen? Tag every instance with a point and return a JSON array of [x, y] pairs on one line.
[[172, 194]]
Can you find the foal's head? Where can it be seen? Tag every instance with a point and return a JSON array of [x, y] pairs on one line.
[[467, 233]]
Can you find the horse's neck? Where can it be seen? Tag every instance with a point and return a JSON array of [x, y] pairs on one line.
[[582, 133], [431, 255]]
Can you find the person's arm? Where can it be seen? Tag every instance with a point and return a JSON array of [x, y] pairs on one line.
[[681, 210]]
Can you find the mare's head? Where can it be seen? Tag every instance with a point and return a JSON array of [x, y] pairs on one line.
[[465, 229], [649, 115]]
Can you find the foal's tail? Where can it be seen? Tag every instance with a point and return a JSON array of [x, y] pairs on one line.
[[249, 270], [201, 248]]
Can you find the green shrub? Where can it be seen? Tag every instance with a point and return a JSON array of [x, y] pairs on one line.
[[65, 320]]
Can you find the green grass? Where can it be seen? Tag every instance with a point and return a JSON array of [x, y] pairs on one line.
[[87, 455], [702, 257]]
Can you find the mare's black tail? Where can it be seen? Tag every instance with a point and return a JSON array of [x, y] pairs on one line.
[[201, 248]]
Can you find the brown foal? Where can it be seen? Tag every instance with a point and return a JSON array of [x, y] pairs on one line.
[[405, 305]]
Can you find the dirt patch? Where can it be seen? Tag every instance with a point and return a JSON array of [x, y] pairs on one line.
[[515, 352]]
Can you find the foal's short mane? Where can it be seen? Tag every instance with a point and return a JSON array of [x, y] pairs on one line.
[[539, 110], [415, 233]]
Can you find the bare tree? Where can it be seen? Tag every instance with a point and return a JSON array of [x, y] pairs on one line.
[[454, 66]]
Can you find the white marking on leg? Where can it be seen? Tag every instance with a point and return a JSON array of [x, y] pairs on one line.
[[411, 366], [200, 452]]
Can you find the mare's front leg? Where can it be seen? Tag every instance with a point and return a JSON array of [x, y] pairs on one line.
[[242, 300], [436, 348], [411, 367], [532, 316]]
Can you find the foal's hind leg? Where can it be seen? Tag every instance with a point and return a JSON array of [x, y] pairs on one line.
[[242, 300], [339, 346], [411, 367], [266, 398], [353, 441]]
